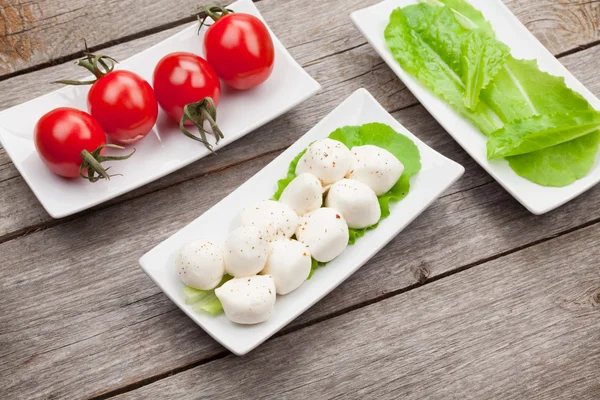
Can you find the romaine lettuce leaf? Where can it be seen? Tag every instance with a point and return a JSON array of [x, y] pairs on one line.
[[520, 90], [481, 59], [528, 112], [559, 165], [540, 132], [420, 59], [468, 16]]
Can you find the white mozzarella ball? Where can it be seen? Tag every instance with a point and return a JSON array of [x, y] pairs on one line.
[[199, 264], [276, 219], [356, 201], [248, 300], [327, 159], [375, 167], [303, 194], [289, 264], [246, 251], [325, 233]]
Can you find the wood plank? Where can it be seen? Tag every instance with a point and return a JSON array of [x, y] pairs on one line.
[[340, 75], [80, 318], [38, 32], [520, 327]]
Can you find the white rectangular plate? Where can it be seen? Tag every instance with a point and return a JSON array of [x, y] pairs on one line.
[[436, 175], [165, 149], [372, 21]]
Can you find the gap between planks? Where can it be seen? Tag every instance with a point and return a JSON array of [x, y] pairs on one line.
[[426, 280]]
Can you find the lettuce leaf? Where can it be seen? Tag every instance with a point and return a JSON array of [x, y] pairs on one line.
[[419, 58], [520, 90], [559, 165], [467, 15], [540, 132], [530, 115], [204, 300], [481, 59]]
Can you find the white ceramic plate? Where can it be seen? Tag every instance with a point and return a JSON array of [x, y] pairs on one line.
[[436, 175], [166, 149], [371, 22]]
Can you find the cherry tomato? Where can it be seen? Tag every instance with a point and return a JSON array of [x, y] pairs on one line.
[[184, 78], [124, 104], [62, 134], [239, 48], [71, 143]]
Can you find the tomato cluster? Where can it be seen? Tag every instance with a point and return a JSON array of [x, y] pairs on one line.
[[124, 107]]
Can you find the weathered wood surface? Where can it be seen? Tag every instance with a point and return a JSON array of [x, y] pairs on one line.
[[78, 317], [521, 327], [38, 32]]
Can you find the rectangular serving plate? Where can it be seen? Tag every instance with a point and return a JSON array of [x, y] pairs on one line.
[[372, 21], [165, 149], [436, 175]]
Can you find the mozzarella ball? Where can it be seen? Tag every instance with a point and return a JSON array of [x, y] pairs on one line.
[[324, 232], [303, 194], [276, 219], [356, 201], [199, 264], [246, 251], [248, 300], [289, 264], [375, 167], [327, 159]]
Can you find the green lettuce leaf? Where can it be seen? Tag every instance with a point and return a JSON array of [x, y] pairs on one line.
[[520, 90], [419, 58], [481, 58], [559, 165], [204, 300], [467, 15], [530, 114], [540, 132]]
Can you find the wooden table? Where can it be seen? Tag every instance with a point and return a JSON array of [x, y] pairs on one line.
[[476, 299]]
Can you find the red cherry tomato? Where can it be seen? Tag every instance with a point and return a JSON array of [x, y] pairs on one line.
[[184, 78], [238, 46], [62, 134], [124, 104], [67, 139]]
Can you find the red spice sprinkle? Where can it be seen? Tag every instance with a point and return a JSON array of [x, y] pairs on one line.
[[337, 216], [304, 254]]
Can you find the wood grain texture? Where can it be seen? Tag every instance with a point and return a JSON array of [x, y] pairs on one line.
[[340, 74], [521, 327], [39, 31]]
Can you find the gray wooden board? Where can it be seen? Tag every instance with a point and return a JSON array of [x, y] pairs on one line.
[[37, 32], [521, 327]]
